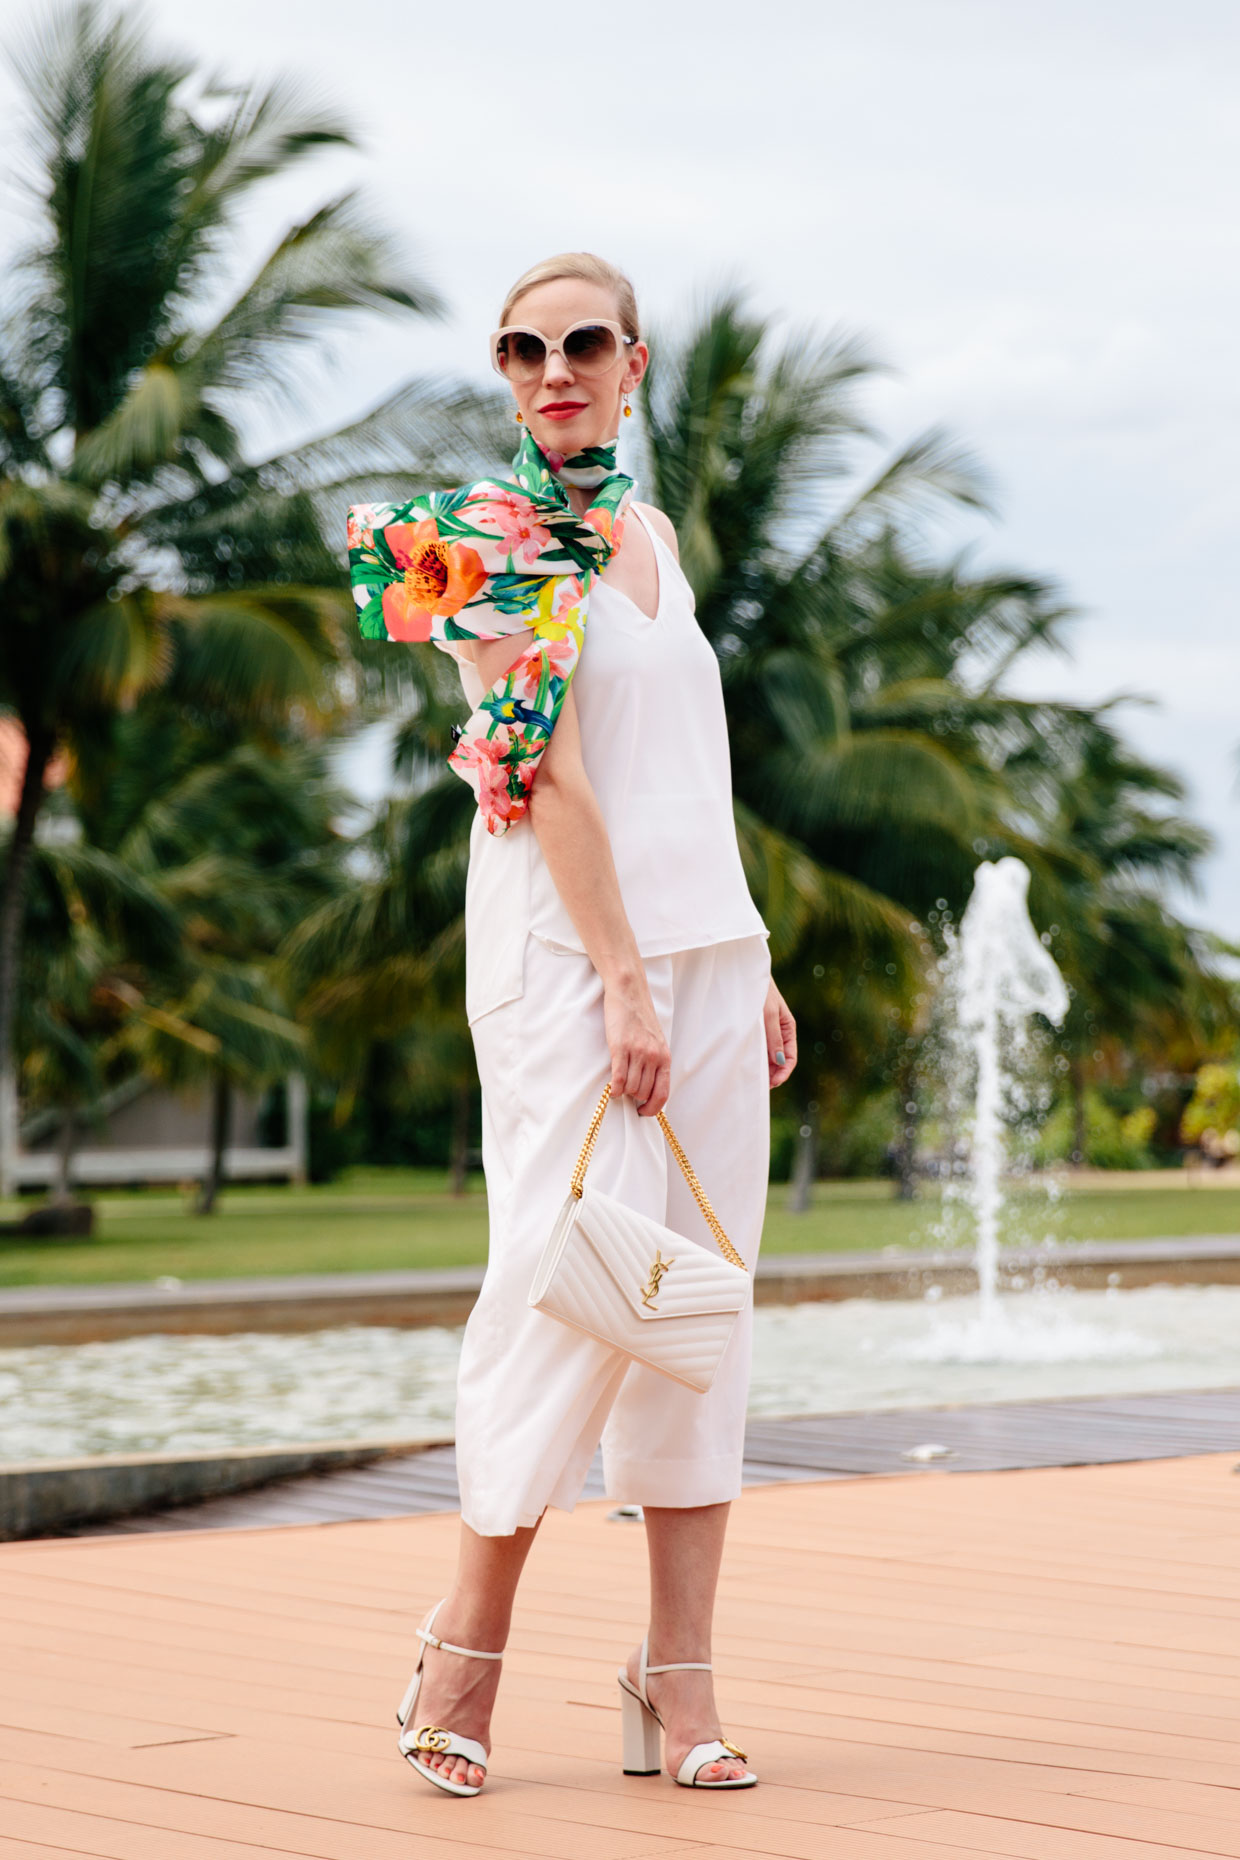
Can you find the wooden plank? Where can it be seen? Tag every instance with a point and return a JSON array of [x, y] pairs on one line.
[[1039, 1663]]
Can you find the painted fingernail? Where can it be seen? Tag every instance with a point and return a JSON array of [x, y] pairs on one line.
[[779, 1059]]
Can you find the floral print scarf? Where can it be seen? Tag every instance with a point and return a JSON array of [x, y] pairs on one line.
[[483, 562]]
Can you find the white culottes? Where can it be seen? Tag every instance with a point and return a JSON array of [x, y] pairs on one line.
[[534, 1397]]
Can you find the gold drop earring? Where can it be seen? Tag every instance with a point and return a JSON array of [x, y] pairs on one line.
[[520, 417], [628, 411]]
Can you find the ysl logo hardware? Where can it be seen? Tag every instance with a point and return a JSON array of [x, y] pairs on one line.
[[650, 1290]]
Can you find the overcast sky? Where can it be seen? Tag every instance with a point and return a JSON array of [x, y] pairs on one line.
[[1029, 209]]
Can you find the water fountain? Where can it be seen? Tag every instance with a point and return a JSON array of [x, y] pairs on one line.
[[998, 977]]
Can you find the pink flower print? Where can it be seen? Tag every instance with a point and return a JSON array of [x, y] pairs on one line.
[[561, 655], [568, 594], [477, 752], [362, 527], [481, 760], [524, 536], [516, 519]]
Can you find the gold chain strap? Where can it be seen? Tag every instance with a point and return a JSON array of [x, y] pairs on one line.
[[686, 1169]]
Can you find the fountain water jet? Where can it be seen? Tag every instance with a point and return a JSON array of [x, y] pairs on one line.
[[999, 975]]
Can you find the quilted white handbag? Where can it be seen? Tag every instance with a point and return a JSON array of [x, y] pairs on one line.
[[626, 1279]]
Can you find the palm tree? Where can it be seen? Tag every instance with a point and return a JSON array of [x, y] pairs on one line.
[[1139, 977], [139, 548], [383, 962], [159, 904], [854, 733], [239, 839], [864, 759], [101, 935]]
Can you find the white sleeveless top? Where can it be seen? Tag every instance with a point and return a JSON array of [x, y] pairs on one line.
[[654, 742]]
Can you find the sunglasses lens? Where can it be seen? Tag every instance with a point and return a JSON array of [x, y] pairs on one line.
[[591, 348], [522, 353]]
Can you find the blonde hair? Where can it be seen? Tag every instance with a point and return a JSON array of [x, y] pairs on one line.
[[588, 267]]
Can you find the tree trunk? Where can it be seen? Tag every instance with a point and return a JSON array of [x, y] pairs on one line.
[[1076, 1081], [805, 1167], [62, 1195], [460, 1139], [906, 1142], [458, 1154], [221, 1117], [39, 747]]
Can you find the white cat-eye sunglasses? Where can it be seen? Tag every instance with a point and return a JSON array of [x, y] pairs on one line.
[[588, 348]]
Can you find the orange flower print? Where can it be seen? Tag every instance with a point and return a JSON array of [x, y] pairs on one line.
[[361, 527], [404, 616], [527, 672], [440, 577]]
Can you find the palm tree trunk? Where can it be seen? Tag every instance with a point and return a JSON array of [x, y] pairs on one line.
[[62, 1195], [39, 746], [460, 1139], [805, 1167], [1076, 1082], [221, 1117], [906, 1142]]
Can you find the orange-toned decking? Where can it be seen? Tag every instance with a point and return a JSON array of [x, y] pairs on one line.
[[1041, 1663]]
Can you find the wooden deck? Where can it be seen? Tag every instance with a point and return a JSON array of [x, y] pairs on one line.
[[1042, 1663], [992, 1437]]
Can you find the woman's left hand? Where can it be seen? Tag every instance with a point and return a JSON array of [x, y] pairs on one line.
[[781, 1036]]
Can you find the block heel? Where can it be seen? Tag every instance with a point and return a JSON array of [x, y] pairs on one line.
[[639, 1734]]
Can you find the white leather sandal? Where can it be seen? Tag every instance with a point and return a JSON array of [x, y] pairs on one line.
[[427, 1738], [641, 1725]]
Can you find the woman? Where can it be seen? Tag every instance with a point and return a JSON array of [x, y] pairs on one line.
[[610, 935]]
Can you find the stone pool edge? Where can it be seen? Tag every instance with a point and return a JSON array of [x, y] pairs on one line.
[[101, 1313], [45, 1496]]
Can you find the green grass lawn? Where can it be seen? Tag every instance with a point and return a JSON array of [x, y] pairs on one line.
[[373, 1219]]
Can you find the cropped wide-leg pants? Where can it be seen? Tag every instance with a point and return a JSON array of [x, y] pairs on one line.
[[534, 1397]]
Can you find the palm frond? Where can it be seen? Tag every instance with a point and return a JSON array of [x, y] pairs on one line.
[[336, 260], [112, 154], [932, 468], [873, 780], [145, 428], [266, 130], [256, 652]]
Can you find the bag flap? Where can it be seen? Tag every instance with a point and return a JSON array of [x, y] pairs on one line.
[[659, 1272]]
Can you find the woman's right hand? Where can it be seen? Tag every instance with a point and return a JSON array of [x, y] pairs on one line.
[[641, 1061]]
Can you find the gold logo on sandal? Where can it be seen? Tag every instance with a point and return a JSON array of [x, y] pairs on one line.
[[432, 1737], [650, 1290]]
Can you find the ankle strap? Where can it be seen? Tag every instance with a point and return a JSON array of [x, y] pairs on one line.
[[683, 1666], [447, 1646]]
